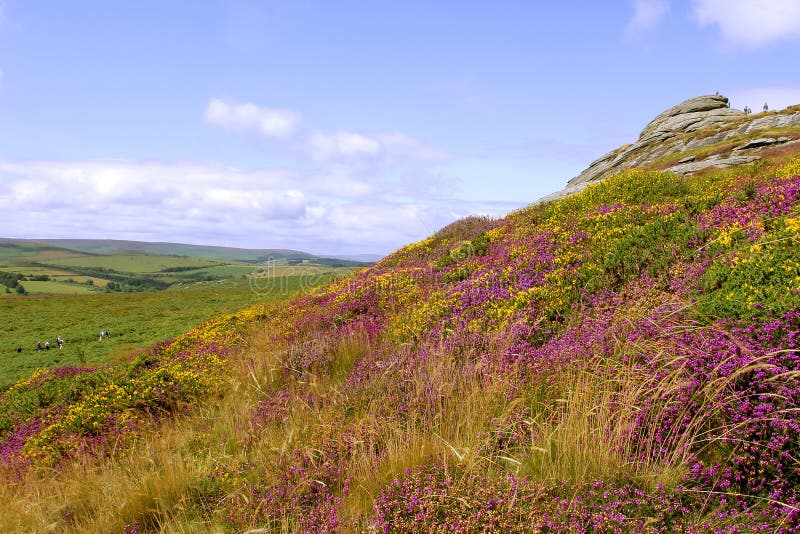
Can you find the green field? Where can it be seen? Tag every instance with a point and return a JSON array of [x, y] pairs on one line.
[[134, 320], [36, 270], [133, 263], [225, 271], [50, 287], [102, 266], [33, 253]]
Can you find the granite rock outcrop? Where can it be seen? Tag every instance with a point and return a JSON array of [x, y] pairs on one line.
[[675, 139]]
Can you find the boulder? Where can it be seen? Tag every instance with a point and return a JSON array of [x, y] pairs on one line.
[[688, 114], [717, 161], [709, 119], [762, 142]]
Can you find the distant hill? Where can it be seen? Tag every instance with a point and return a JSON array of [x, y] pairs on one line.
[[115, 246], [78, 266]]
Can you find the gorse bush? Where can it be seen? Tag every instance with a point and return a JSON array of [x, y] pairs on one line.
[[626, 359]]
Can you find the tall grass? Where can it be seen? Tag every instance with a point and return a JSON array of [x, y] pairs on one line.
[[581, 431]]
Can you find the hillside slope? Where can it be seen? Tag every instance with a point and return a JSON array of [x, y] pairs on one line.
[[115, 246], [626, 359]]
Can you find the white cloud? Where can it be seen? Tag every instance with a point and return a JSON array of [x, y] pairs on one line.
[[326, 210], [320, 146], [157, 191], [349, 192], [345, 145], [250, 118], [647, 13], [325, 146], [754, 98], [341, 180], [398, 144], [748, 23]]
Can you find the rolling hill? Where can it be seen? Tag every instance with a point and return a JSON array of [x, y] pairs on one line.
[[53, 267], [115, 246], [622, 358]]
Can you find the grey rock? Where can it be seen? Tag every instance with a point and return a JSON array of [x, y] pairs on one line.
[[689, 122], [773, 120], [709, 120], [762, 142], [713, 139], [687, 113], [687, 159], [713, 161]]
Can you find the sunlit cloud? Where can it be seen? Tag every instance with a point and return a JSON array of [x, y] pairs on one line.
[[749, 24], [250, 118], [325, 146]]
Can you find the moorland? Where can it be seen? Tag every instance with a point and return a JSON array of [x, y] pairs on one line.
[[622, 359], [128, 289]]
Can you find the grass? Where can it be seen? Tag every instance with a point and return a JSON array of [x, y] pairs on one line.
[[140, 271], [151, 266], [33, 253], [36, 270], [163, 484], [135, 320], [133, 263], [56, 288]]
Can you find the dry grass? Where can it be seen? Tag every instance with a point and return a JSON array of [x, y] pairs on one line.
[[582, 432]]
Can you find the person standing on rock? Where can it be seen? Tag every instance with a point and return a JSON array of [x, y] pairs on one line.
[[766, 107]]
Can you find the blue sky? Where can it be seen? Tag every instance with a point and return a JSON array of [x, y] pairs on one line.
[[343, 127]]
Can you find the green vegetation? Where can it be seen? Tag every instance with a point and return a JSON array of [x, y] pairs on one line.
[[133, 263], [135, 320], [113, 246], [59, 271], [40, 287], [10, 279]]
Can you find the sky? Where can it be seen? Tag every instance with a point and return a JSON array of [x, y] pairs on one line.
[[343, 127]]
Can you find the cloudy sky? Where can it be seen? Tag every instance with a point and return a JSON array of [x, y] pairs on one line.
[[342, 127]]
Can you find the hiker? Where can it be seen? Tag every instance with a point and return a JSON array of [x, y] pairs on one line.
[[766, 107], [60, 342], [38, 346], [19, 348], [102, 334], [108, 333], [46, 345]]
